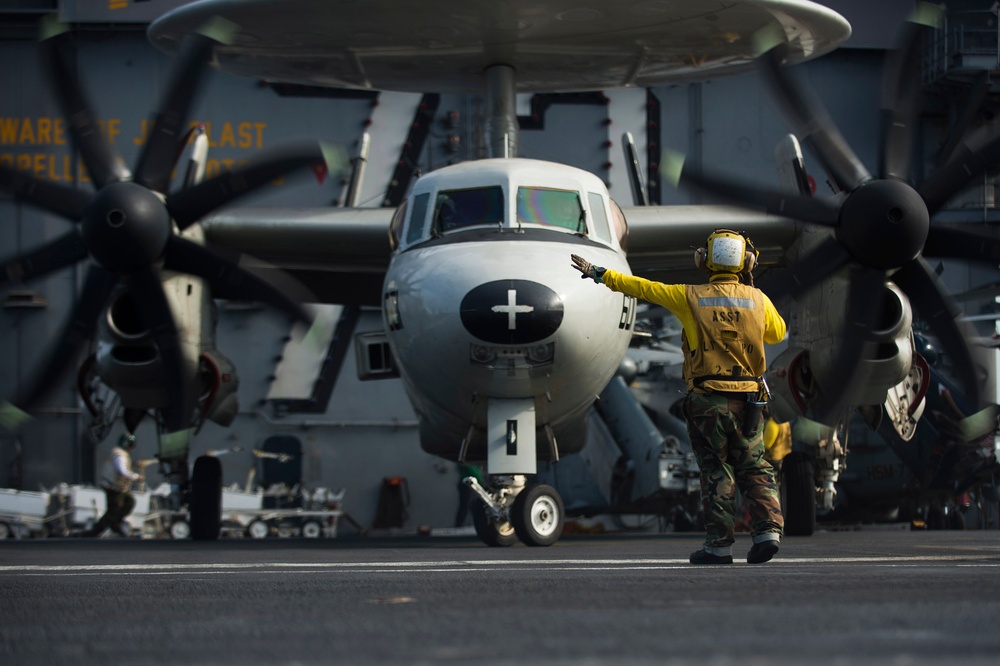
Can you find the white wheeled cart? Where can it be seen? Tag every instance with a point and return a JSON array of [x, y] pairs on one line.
[[23, 513], [76, 508], [243, 514], [152, 516]]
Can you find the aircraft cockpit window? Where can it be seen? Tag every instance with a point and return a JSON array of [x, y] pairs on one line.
[[456, 209], [553, 208], [396, 227], [417, 219], [601, 229], [619, 225]]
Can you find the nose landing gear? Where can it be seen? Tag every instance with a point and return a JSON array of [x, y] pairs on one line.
[[533, 514]]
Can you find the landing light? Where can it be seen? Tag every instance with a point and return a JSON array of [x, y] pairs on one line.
[[482, 355], [540, 354]]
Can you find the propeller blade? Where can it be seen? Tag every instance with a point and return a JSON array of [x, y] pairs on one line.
[[791, 166], [807, 271], [147, 291], [639, 194], [67, 202], [987, 292], [953, 243], [157, 159], [932, 304], [93, 297], [813, 124], [805, 208], [102, 166], [197, 160], [902, 90], [863, 305], [227, 277], [190, 205], [975, 157], [60, 253], [132, 418]]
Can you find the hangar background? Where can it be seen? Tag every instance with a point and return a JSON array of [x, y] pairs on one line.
[[356, 434]]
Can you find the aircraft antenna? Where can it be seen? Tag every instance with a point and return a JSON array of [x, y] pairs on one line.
[[358, 173]]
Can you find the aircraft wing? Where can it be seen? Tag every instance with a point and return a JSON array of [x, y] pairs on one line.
[[339, 254], [662, 239]]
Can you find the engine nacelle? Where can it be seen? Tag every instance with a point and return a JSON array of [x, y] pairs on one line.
[[127, 357], [889, 352], [805, 369], [785, 381], [217, 382], [128, 360]]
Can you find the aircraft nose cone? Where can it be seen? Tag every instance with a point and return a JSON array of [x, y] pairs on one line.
[[512, 312]]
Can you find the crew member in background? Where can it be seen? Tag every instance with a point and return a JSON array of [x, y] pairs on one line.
[[117, 478], [726, 324], [777, 442]]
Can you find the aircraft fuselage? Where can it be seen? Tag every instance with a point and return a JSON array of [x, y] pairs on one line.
[[487, 309]]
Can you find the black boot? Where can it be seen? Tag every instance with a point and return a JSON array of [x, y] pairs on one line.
[[762, 552], [704, 557]]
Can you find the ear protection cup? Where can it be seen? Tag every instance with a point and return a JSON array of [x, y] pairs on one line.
[[699, 257], [750, 262]]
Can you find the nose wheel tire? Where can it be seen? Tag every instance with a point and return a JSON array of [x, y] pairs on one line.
[[497, 533], [538, 515]]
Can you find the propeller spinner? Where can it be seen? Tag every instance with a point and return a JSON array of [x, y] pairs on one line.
[[129, 226]]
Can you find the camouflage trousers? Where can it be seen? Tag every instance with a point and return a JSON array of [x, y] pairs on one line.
[[728, 461]]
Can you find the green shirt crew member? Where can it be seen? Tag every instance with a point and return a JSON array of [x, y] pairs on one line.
[[725, 326]]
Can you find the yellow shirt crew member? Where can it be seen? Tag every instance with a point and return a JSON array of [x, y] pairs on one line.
[[726, 325], [720, 335]]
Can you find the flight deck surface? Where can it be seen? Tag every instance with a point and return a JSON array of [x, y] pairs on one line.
[[882, 596]]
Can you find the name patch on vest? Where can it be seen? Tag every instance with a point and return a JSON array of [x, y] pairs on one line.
[[725, 302]]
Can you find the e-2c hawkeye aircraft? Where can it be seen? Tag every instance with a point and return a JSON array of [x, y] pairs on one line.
[[502, 348]]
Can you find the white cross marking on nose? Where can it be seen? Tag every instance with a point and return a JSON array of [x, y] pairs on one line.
[[512, 308]]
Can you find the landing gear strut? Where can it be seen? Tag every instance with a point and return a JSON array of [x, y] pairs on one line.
[[492, 531]]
